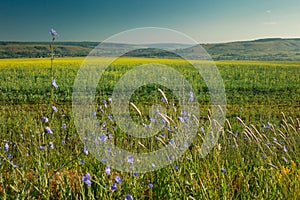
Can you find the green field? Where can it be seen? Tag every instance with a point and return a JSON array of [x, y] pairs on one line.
[[257, 155]]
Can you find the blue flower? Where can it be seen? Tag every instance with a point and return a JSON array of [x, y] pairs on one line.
[[9, 155], [285, 149], [118, 179], [285, 160], [86, 178], [51, 146], [102, 137], [130, 159], [107, 170], [202, 130], [223, 171], [181, 119], [54, 109], [45, 119], [53, 33], [135, 173], [42, 148], [153, 165], [82, 161], [6, 146], [48, 129], [191, 96], [150, 185], [176, 167], [113, 187], [85, 151], [64, 126], [128, 197], [53, 83]]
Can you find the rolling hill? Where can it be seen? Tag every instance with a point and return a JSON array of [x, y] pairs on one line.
[[262, 49]]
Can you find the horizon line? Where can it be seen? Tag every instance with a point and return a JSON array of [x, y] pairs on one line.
[[221, 42]]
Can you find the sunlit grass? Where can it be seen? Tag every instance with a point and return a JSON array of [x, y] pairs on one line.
[[257, 155]]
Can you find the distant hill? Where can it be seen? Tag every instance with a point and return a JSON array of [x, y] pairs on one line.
[[262, 49]]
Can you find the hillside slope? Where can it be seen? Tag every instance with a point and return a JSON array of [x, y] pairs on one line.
[[262, 49]]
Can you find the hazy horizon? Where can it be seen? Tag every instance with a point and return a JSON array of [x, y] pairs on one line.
[[66, 41]]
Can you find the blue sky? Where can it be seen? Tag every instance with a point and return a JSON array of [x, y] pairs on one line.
[[95, 20]]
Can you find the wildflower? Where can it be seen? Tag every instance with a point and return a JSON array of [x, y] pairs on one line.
[[47, 164], [150, 185], [82, 161], [107, 170], [113, 187], [86, 178], [64, 126], [171, 157], [285, 149], [175, 167], [223, 171], [128, 197], [130, 159], [185, 144], [110, 117], [118, 179], [45, 119], [6, 146], [53, 83], [181, 119], [48, 129], [42, 148], [54, 109], [102, 137], [85, 151], [9, 155], [202, 130], [171, 141], [53, 33], [94, 113], [135, 173], [153, 165], [51, 146], [109, 99], [191, 98], [285, 160]]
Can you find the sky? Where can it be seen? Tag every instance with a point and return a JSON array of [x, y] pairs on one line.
[[206, 21]]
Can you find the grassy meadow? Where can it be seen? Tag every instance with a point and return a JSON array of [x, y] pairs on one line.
[[257, 155]]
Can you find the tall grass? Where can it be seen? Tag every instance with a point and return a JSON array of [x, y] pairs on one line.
[[257, 155]]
